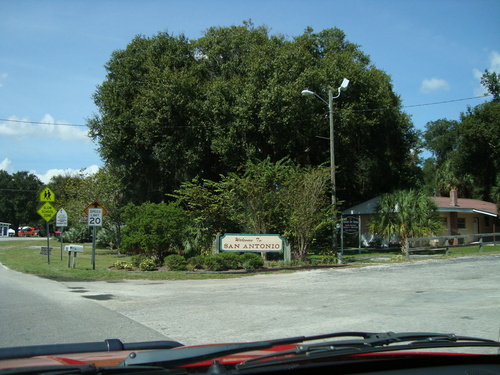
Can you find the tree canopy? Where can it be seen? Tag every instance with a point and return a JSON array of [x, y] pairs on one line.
[[466, 152], [172, 109], [19, 198]]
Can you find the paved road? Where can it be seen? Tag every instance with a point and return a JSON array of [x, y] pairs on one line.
[[456, 295], [38, 311]]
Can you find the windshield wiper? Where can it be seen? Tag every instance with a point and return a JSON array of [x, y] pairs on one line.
[[370, 343], [84, 347]]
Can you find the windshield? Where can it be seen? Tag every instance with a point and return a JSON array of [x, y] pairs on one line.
[[206, 172]]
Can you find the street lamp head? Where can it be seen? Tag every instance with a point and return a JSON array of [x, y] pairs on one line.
[[307, 92], [344, 84]]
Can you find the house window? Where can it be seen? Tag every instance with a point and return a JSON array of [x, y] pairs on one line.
[[461, 223], [486, 221]]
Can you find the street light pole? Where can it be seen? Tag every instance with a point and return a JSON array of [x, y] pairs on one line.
[[342, 87]]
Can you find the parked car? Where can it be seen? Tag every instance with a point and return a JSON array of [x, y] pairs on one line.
[[28, 232]]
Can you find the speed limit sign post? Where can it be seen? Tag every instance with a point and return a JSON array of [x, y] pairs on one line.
[[94, 213], [94, 217]]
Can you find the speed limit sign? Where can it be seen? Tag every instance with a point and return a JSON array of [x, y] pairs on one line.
[[94, 216]]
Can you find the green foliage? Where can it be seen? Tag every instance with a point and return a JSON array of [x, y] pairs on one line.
[[216, 262], [78, 234], [175, 262], [253, 194], [467, 152], [251, 261], [263, 197], [196, 262], [137, 259], [405, 214], [154, 229], [171, 109], [75, 192], [306, 207], [106, 238], [491, 80], [19, 199], [147, 264], [230, 261], [122, 265], [478, 153]]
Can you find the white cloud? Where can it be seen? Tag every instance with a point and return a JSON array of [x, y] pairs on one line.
[[5, 165], [47, 127], [494, 66], [434, 84], [3, 76], [45, 178]]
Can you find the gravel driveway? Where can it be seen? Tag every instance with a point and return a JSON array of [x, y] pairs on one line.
[[457, 295]]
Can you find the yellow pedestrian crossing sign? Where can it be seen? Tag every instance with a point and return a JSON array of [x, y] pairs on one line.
[[47, 195]]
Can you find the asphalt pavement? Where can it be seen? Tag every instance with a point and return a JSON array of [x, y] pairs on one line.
[[460, 295]]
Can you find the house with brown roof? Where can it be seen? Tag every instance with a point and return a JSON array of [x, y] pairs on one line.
[[461, 216]]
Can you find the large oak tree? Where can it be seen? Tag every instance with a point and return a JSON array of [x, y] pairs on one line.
[[172, 109]]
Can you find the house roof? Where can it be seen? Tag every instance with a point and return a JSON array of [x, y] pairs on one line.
[[443, 203], [466, 205]]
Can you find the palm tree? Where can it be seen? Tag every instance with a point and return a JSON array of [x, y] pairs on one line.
[[406, 214], [448, 178]]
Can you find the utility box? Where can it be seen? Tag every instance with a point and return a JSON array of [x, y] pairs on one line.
[[74, 248]]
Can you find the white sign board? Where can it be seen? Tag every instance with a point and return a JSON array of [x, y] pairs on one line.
[[61, 218], [94, 216], [251, 242]]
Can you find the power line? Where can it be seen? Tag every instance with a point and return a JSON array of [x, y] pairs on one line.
[[40, 122], [351, 110]]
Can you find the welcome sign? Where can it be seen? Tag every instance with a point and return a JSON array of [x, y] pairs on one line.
[[251, 243]]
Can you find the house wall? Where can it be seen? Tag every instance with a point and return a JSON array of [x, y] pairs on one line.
[[455, 223], [467, 223]]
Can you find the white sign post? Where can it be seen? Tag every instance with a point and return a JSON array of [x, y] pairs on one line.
[[94, 220], [62, 221]]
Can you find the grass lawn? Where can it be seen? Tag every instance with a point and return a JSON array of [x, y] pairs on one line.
[[24, 256]]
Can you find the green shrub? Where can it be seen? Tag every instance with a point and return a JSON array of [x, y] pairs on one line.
[[77, 234], [122, 265], [222, 262], [196, 262], [137, 259], [214, 263], [107, 238], [154, 229], [175, 262], [251, 261], [147, 264], [231, 261]]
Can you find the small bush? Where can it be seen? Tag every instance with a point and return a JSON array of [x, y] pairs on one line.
[[122, 265], [147, 264], [77, 234], [175, 262], [398, 258], [231, 261], [223, 262], [137, 259], [215, 263], [251, 261], [196, 262]]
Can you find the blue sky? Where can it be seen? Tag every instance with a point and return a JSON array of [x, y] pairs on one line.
[[52, 56]]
